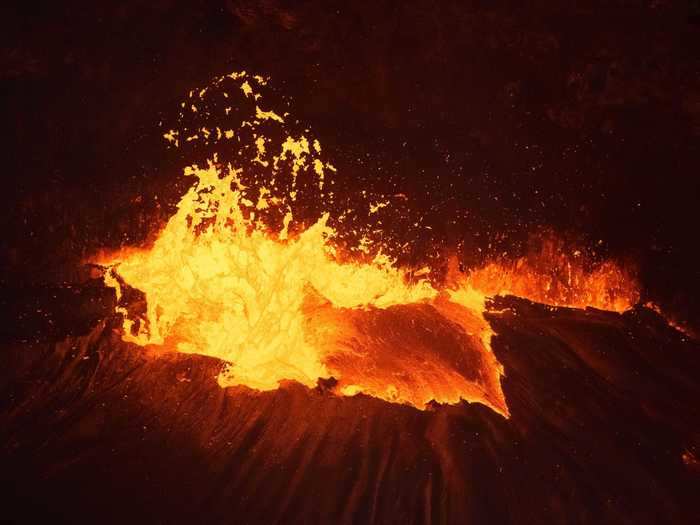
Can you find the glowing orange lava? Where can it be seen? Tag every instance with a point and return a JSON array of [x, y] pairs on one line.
[[227, 278], [552, 274]]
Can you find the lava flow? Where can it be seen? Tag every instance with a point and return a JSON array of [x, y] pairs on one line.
[[232, 275]]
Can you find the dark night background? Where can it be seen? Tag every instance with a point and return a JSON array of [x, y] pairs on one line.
[[496, 119]]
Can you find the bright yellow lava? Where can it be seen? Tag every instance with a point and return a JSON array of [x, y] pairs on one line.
[[273, 306]]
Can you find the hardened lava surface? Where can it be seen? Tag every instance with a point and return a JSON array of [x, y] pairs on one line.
[[603, 428]]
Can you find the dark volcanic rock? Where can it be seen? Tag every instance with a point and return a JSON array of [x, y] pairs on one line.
[[604, 428]]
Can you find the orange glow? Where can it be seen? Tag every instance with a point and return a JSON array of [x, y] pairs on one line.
[[230, 278], [552, 275]]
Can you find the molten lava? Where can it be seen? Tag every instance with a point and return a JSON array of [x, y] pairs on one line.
[[228, 277]]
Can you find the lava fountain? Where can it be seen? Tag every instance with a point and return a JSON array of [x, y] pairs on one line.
[[233, 275]]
